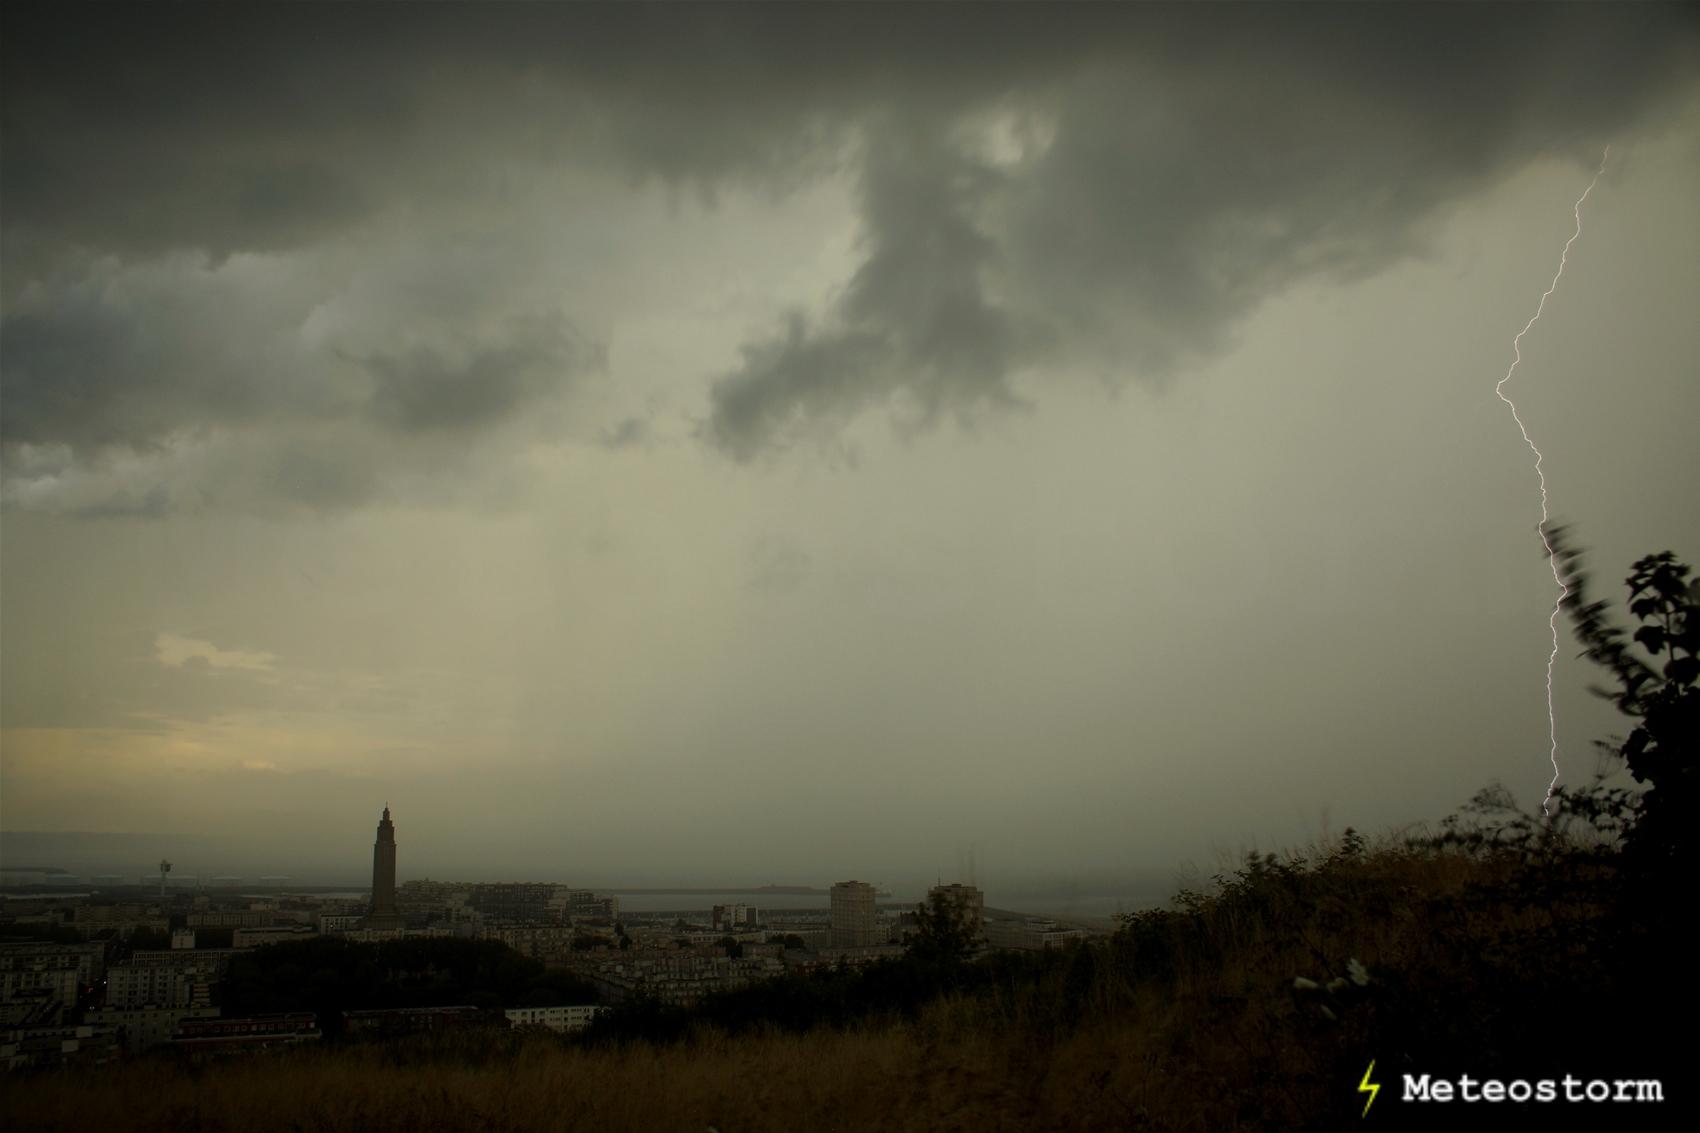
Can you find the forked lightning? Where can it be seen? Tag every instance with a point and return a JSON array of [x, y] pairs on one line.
[[1552, 558]]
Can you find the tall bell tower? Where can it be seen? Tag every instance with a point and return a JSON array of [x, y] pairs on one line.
[[384, 914]]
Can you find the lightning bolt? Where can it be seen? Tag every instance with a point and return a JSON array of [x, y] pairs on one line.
[[1552, 557], [1368, 1087]]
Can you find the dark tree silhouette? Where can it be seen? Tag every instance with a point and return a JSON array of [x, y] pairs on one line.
[[1655, 669], [945, 935]]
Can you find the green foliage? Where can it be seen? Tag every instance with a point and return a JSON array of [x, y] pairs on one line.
[[1432, 953], [1656, 684], [831, 998], [945, 935], [1352, 846]]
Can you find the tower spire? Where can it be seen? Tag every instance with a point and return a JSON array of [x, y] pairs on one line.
[[384, 914]]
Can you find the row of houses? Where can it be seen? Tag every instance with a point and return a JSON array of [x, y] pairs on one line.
[[677, 977], [202, 1032]]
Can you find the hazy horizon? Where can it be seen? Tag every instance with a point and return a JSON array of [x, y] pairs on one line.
[[197, 860], [788, 444]]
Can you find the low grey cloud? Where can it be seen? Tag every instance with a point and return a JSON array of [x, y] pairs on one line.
[[123, 356], [175, 650], [627, 433], [154, 503], [470, 385], [1040, 189], [797, 372], [175, 384]]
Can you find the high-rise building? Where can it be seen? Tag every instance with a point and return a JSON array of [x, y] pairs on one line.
[[583, 904], [384, 914], [855, 916]]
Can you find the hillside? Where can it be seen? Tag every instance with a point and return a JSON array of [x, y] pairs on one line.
[[1508, 956]]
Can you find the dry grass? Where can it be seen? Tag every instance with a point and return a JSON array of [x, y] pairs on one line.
[[1193, 1025], [896, 1079]]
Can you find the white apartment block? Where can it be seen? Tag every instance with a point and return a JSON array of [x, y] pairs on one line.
[[130, 986], [143, 1028], [555, 1018], [1031, 934], [733, 918], [182, 978]]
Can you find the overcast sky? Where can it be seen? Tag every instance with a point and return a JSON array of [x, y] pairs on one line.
[[789, 443]]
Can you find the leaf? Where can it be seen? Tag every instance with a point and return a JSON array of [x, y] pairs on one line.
[[1643, 607], [1683, 670], [1669, 584], [1653, 637]]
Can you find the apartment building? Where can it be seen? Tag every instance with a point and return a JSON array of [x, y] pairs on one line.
[[855, 915]]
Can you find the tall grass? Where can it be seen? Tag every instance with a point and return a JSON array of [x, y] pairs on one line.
[[1484, 959]]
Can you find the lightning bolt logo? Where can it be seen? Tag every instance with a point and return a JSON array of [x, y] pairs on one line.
[[1368, 1087], [1552, 558]]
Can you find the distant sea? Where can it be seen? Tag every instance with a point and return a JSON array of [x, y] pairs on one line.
[[689, 902], [1098, 904], [201, 863]]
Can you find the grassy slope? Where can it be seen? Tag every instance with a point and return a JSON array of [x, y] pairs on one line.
[[1488, 966]]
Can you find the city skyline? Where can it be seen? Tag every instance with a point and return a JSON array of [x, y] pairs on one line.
[[783, 444]]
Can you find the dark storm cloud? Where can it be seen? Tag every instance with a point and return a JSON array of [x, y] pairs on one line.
[[112, 361], [914, 316], [109, 360], [1181, 188], [1193, 160], [796, 370], [65, 372], [175, 386], [139, 128]]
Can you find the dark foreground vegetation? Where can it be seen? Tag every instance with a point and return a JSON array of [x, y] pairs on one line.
[[331, 975], [1503, 945]]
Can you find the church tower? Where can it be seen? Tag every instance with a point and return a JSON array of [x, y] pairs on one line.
[[383, 914]]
